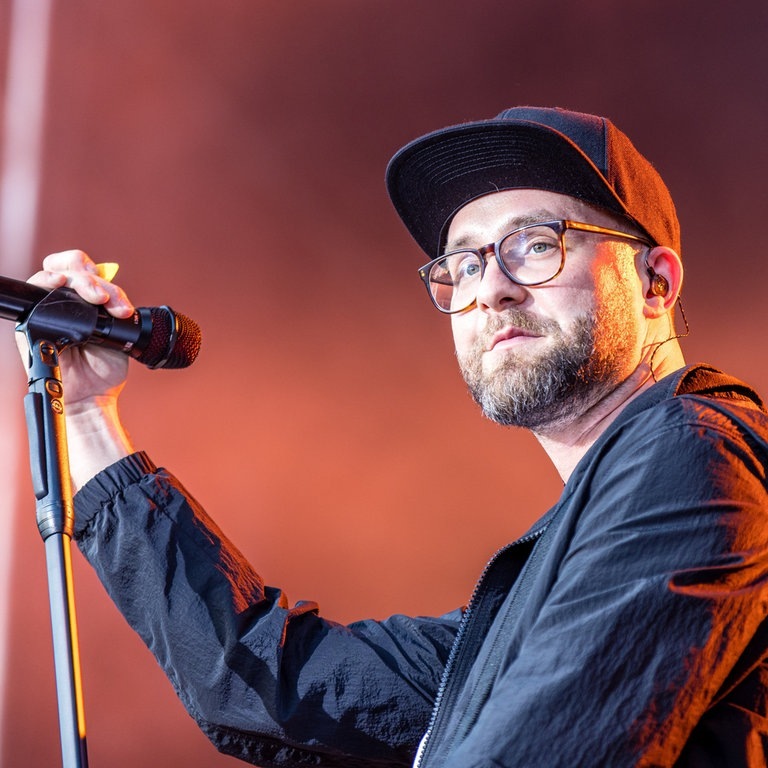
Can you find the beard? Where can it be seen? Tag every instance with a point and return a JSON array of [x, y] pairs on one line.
[[560, 383]]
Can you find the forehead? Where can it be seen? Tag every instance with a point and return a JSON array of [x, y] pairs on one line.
[[486, 218]]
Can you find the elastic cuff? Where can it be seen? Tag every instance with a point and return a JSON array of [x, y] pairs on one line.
[[107, 483]]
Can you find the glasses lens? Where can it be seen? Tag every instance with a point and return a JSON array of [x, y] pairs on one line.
[[454, 280], [533, 254]]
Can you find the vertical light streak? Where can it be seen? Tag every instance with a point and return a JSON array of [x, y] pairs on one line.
[[23, 113]]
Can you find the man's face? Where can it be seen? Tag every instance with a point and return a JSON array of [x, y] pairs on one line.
[[540, 357]]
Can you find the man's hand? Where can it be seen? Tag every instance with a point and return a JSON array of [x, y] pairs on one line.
[[93, 376]]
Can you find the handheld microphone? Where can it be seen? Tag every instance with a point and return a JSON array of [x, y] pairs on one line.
[[155, 336]]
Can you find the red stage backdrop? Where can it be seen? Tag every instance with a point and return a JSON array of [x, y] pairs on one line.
[[230, 157]]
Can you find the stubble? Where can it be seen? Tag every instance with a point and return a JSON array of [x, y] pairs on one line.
[[574, 371]]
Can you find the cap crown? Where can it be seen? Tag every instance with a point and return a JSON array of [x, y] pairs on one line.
[[572, 153]]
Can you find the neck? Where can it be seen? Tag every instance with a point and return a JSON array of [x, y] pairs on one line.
[[567, 441]]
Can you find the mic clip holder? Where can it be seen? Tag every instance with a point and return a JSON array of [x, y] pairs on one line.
[[59, 320], [62, 318]]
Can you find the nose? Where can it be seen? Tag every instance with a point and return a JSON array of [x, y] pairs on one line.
[[496, 290]]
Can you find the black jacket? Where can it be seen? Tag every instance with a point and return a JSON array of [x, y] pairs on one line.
[[627, 628]]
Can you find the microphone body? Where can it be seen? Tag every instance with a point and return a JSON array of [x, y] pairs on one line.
[[155, 336]]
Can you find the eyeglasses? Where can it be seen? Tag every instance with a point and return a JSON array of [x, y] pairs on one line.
[[530, 256]]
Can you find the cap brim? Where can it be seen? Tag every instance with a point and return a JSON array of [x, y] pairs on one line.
[[432, 177]]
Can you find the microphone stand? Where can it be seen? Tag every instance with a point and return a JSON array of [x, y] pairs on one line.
[[56, 322]]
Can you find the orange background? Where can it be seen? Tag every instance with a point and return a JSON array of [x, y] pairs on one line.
[[230, 156]]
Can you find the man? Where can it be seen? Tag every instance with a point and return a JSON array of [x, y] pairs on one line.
[[627, 628]]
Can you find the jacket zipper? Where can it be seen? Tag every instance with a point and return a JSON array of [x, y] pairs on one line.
[[456, 647]]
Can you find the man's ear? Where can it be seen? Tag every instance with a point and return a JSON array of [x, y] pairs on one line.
[[662, 279]]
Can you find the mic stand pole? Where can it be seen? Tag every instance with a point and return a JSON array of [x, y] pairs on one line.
[[56, 322]]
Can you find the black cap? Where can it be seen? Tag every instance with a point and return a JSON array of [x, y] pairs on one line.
[[557, 150]]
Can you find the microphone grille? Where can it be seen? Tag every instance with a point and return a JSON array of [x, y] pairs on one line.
[[174, 340]]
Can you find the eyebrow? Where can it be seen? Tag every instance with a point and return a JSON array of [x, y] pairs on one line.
[[513, 222]]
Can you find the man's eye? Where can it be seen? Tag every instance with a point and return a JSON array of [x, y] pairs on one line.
[[461, 266], [466, 269], [542, 247]]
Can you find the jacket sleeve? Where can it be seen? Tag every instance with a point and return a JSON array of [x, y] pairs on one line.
[[271, 684], [645, 643]]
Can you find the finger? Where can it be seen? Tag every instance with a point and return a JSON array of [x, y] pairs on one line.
[[69, 261], [48, 280], [99, 291], [89, 285], [89, 280], [118, 303], [63, 268]]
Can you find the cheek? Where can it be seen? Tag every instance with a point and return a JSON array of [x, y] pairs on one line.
[[566, 306], [616, 291], [464, 328], [616, 273]]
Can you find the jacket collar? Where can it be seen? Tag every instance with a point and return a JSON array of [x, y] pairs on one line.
[[693, 380], [697, 379]]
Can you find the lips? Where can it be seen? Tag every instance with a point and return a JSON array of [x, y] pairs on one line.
[[507, 334]]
